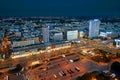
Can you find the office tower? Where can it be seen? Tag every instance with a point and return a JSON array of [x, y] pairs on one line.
[[72, 35], [45, 31], [94, 28], [56, 35]]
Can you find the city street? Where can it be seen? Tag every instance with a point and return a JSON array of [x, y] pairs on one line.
[[63, 64], [50, 70]]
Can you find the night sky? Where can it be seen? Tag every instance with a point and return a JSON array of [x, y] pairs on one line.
[[59, 7]]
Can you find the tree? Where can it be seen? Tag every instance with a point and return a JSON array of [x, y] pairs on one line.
[[118, 54], [95, 75], [16, 70], [115, 67], [86, 76]]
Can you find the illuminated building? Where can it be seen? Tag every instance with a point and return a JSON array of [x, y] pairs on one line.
[[72, 35], [81, 34], [94, 28], [103, 34], [45, 31], [117, 41], [56, 35]]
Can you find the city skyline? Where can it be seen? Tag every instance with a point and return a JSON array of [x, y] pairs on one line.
[[57, 48], [59, 8]]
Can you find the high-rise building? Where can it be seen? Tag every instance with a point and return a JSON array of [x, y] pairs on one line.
[[94, 28], [45, 31]]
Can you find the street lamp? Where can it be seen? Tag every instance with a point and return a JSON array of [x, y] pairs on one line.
[[116, 79], [93, 78]]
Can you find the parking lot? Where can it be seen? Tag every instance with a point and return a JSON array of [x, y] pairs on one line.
[[63, 69]]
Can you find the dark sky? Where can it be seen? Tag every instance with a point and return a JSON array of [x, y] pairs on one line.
[[59, 7]]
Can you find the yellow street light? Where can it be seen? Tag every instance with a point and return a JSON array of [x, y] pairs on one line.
[[93, 78], [116, 79]]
